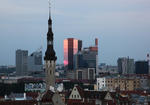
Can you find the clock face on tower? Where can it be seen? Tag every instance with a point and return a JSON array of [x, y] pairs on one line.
[[50, 42]]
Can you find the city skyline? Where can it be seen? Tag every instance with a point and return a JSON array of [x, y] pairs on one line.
[[120, 26]]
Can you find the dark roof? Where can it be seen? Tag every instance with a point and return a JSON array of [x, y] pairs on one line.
[[80, 102], [50, 53], [91, 94], [135, 92], [81, 91], [31, 102], [47, 97], [34, 95]]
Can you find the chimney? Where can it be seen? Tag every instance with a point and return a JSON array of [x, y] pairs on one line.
[[96, 42]]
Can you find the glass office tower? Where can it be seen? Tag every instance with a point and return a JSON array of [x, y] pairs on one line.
[[71, 47]]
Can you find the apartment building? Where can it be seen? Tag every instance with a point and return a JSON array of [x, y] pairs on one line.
[[113, 83]]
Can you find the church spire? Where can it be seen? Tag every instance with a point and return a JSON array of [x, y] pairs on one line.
[[50, 53], [49, 8]]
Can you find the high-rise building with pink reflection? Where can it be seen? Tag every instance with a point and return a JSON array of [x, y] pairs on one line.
[[71, 47]]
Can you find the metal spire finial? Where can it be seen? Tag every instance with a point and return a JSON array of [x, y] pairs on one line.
[[49, 8]]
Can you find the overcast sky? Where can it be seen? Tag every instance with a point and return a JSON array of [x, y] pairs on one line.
[[122, 27]]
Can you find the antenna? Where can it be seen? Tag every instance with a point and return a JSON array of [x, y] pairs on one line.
[[49, 8], [148, 58]]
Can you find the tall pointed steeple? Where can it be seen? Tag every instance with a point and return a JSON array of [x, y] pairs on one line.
[[50, 53], [50, 57], [50, 96]]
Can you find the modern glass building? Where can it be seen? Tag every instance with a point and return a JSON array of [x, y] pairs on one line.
[[142, 67], [71, 47], [87, 57], [126, 65], [35, 62]]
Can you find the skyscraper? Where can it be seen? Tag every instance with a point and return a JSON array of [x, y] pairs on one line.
[[21, 62], [142, 67], [87, 57], [126, 66], [71, 47]]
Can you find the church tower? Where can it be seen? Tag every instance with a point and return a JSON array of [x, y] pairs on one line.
[[50, 57], [51, 96]]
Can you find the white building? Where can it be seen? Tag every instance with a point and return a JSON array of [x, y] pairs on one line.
[[101, 83]]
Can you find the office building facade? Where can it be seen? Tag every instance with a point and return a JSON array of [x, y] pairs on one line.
[[87, 57], [142, 67], [113, 83], [71, 47], [35, 62], [126, 66], [21, 62]]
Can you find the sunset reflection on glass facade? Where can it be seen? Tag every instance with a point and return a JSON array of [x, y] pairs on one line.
[[71, 47], [65, 52]]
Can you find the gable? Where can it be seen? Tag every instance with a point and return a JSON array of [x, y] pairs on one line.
[[108, 96], [75, 94]]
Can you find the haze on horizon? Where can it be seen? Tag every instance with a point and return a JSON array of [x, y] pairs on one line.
[[122, 27]]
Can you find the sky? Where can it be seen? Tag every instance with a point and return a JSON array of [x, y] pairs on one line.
[[122, 27]]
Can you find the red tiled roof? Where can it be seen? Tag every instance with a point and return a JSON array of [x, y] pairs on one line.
[[81, 91], [1, 97], [80, 102], [134, 92], [92, 95], [34, 95], [111, 102]]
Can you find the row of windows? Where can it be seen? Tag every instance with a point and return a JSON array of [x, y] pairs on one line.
[[75, 96], [118, 84], [120, 81]]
